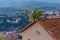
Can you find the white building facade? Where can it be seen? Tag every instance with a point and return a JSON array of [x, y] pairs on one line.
[[35, 32]]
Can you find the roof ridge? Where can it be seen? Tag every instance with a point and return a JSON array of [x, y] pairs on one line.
[[30, 24]]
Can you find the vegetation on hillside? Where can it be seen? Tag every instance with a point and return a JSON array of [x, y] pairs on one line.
[[2, 38]]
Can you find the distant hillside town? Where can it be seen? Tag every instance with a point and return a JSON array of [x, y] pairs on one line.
[[18, 18], [52, 14]]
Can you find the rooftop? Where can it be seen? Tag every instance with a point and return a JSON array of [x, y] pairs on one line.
[[52, 26]]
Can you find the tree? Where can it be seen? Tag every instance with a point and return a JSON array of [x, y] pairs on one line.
[[2, 38], [35, 15]]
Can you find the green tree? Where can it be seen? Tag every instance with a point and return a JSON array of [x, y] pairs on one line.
[[35, 15], [2, 38]]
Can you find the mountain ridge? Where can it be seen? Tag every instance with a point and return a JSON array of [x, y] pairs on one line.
[[34, 4]]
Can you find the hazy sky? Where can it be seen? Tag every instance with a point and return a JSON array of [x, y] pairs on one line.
[[15, 2], [51, 1], [54, 1]]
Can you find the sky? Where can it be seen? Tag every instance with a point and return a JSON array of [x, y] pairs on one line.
[[50, 1], [4, 3]]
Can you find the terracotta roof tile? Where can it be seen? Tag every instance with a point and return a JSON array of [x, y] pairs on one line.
[[52, 26]]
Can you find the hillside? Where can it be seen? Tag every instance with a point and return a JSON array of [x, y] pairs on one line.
[[37, 4]]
